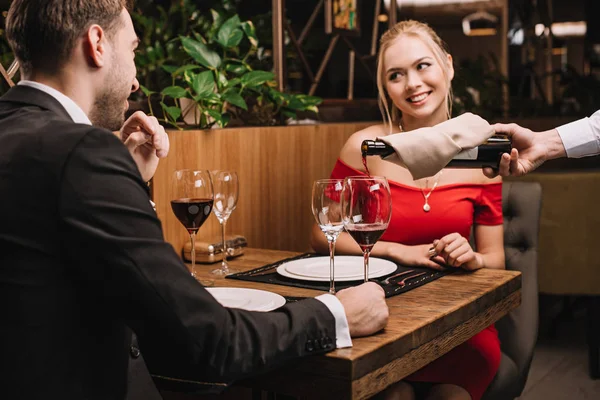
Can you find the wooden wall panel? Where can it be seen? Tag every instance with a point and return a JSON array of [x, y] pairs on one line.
[[276, 168]]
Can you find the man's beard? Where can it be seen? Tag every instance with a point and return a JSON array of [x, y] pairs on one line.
[[108, 111]]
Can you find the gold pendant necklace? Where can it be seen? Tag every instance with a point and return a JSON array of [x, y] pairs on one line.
[[426, 206]]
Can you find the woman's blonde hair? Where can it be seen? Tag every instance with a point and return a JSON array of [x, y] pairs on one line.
[[430, 38]]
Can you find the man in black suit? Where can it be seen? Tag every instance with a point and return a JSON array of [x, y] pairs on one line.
[[82, 255]]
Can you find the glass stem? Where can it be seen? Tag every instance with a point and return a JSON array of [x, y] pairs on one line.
[[193, 252], [331, 267], [366, 253], [224, 265]]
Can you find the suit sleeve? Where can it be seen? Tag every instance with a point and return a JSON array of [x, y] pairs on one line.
[[116, 241]]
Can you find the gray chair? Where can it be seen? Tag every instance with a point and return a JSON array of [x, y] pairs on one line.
[[521, 205]]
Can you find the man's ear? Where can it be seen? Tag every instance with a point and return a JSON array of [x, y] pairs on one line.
[[450, 68], [95, 42]]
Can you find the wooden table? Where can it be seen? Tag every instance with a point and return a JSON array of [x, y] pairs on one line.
[[424, 324]]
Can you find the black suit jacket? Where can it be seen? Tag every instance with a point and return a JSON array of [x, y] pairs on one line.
[[82, 259]]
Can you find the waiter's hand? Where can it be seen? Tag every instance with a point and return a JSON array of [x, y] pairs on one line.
[[146, 140], [530, 150]]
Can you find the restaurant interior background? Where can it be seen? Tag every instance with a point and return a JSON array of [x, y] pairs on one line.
[[534, 62]]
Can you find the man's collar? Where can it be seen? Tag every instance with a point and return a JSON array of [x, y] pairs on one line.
[[74, 111]]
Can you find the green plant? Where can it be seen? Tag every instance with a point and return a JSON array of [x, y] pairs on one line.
[[478, 87], [213, 72]]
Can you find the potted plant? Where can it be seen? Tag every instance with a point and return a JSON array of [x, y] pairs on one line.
[[211, 79]]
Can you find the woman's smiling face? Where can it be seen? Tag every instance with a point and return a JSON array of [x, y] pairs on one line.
[[415, 80]]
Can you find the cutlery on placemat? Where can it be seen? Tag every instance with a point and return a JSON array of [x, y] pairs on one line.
[[402, 283], [387, 280], [400, 287]]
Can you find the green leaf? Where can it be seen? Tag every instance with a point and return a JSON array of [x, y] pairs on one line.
[[295, 104], [217, 19], [173, 112], [188, 77], [169, 68], [233, 82], [309, 100], [221, 79], [203, 83], [257, 78], [237, 69], [217, 116], [214, 99], [213, 113], [277, 97], [175, 92], [289, 114], [229, 34], [147, 92], [225, 120], [201, 53], [234, 98], [183, 69], [250, 31]]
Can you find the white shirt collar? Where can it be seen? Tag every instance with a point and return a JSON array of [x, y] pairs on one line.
[[74, 111]]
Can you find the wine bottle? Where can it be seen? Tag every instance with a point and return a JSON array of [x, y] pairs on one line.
[[487, 154]]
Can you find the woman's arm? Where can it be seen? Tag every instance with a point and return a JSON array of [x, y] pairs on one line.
[[489, 240], [416, 256]]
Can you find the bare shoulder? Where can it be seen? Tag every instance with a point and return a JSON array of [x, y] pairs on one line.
[[468, 175], [351, 154]]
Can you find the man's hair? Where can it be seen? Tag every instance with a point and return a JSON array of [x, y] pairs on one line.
[[43, 33]]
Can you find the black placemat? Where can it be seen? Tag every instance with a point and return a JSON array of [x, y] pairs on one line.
[[268, 274]]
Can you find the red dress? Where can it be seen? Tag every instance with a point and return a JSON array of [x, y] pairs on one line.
[[454, 208]]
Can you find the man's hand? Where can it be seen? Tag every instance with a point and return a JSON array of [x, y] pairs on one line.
[[366, 309], [530, 150], [146, 140]]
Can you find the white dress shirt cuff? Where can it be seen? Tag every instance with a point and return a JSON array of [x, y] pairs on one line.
[[579, 139], [342, 331]]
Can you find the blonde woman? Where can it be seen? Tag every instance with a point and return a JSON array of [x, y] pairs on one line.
[[414, 77]]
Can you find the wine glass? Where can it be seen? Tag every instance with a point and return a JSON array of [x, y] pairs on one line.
[[226, 186], [192, 203], [326, 208], [366, 209]]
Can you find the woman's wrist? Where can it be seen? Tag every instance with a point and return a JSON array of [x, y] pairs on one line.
[[387, 249], [480, 260]]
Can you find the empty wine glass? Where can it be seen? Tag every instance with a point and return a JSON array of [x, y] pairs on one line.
[[326, 208], [366, 209], [226, 186], [192, 203]]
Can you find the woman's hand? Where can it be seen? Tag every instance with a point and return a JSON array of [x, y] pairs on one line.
[[457, 252], [415, 256]]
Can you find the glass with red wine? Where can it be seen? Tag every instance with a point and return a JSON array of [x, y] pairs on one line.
[[366, 210], [192, 203]]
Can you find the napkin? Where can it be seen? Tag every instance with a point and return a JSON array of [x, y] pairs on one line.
[[425, 151]]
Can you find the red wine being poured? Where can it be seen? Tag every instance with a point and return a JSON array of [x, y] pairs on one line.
[[192, 212], [364, 160], [366, 235]]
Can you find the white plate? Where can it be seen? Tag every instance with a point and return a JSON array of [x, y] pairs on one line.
[[347, 268], [246, 299]]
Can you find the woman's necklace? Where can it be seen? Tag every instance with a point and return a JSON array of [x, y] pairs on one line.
[[426, 206]]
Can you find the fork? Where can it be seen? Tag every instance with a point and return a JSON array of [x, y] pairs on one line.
[[402, 283], [387, 280]]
